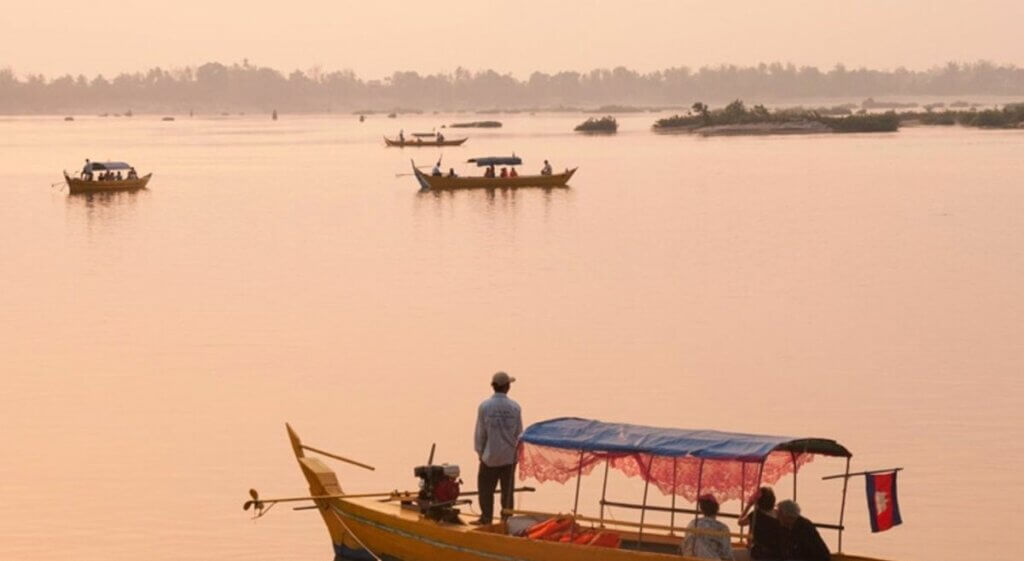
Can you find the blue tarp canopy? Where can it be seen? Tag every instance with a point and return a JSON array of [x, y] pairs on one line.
[[111, 166], [595, 436], [496, 161]]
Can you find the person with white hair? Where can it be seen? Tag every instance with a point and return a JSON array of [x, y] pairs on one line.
[[706, 537], [799, 540]]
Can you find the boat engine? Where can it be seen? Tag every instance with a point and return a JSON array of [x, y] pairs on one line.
[[439, 491]]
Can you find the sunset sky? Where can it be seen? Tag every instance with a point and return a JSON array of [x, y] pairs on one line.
[[376, 38]]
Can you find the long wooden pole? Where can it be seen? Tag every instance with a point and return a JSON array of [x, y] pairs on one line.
[[793, 456], [623, 523], [391, 495], [859, 473], [842, 505], [337, 457], [672, 518], [576, 502], [643, 509], [604, 487], [700, 479]]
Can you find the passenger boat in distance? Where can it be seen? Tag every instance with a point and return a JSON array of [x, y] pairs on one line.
[[101, 176], [430, 182], [427, 525], [419, 142]]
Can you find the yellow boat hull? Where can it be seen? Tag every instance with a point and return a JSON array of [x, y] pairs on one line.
[[76, 185]]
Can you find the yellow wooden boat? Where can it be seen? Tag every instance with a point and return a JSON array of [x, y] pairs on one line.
[[91, 181], [421, 143], [372, 526], [447, 182]]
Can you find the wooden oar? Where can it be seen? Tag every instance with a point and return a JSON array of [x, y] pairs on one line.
[[259, 503]]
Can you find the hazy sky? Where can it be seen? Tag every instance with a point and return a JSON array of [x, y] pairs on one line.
[[376, 38]]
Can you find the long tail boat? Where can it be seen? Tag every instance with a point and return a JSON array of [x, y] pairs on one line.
[[87, 184], [444, 182], [420, 143], [409, 527]]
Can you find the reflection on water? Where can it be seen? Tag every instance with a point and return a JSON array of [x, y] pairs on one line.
[[155, 342]]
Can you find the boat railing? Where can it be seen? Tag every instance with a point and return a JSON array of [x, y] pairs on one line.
[[696, 512], [625, 523]]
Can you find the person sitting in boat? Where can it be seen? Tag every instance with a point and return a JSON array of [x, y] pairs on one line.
[[710, 540], [440, 137], [436, 172], [799, 540], [87, 170], [489, 172], [451, 172], [546, 170], [118, 177], [512, 172], [504, 172], [764, 527], [132, 174]]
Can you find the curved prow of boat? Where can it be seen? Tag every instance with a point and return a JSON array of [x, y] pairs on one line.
[[324, 482]]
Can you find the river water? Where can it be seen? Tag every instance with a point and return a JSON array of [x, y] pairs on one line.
[[865, 288]]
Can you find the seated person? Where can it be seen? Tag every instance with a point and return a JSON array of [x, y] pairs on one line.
[[119, 177], [799, 540], [489, 172], [504, 172], [710, 540], [436, 172], [512, 172], [546, 170], [451, 172], [764, 543], [440, 137], [132, 174]]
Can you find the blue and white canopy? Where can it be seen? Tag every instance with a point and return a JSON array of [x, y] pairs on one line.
[[496, 161], [684, 462], [595, 436]]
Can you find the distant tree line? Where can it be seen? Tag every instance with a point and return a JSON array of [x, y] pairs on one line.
[[216, 87]]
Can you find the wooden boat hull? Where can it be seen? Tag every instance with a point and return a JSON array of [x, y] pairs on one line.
[[438, 183], [76, 185], [425, 143]]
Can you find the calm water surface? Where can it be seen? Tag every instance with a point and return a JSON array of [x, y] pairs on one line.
[[866, 288]]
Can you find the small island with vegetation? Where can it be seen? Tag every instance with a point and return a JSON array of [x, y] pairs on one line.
[[1010, 116], [604, 125], [737, 119], [477, 125]]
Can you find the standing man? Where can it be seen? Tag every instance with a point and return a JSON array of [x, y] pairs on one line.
[[499, 422]]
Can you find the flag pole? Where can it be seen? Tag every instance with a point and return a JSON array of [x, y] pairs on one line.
[[859, 473], [842, 504]]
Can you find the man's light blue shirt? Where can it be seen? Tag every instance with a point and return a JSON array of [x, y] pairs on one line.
[[499, 422]]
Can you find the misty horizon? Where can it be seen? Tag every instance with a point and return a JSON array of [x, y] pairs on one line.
[[241, 86]]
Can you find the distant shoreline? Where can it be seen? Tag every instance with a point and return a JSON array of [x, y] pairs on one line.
[[215, 87]]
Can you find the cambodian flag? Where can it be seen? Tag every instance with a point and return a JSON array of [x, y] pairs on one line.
[[882, 503]]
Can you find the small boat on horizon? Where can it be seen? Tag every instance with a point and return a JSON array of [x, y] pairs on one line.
[[102, 176], [418, 142]]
